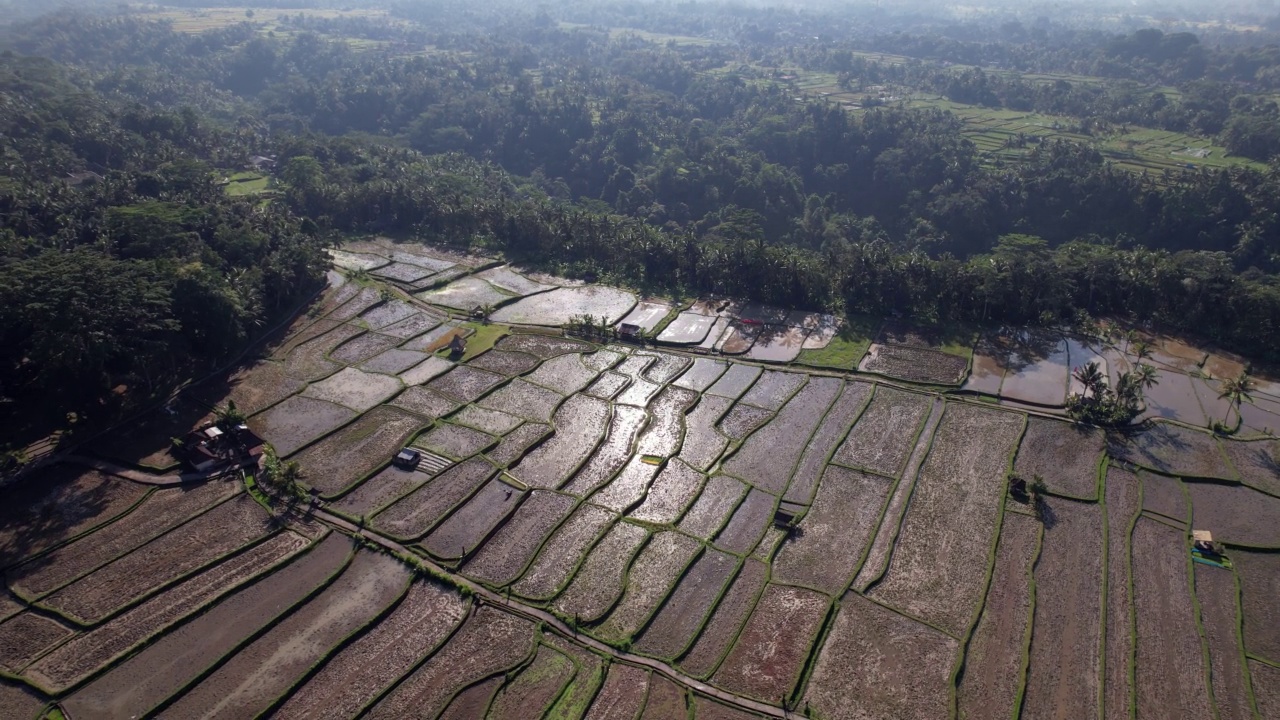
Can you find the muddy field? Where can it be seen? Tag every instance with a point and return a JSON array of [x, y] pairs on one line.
[[731, 612], [1065, 456], [621, 697], [1235, 514], [1122, 495], [465, 383], [935, 572], [500, 560], [884, 435], [1266, 687], [825, 551], [671, 492], [565, 374], [627, 489], [142, 682], [649, 579], [493, 422], [559, 556], [876, 663], [674, 627], [559, 306], [489, 642], [188, 547], [743, 420], [993, 664], [766, 458], [1038, 371], [380, 490], [915, 364], [666, 422], [1216, 593], [258, 674], [1259, 587], [543, 346], [687, 329], [703, 443], [342, 459], [1172, 450], [427, 403], [514, 445], [87, 653], [735, 381], [64, 501], [905, 553], [786, 621], [162, 511], [1170, 674], [579, 422], [748, 523], [416, 513], [1164, 496], [469, 525], [524, 400], [608, 385], [834, 427], [1065, 649], [612, 454], [713, 507], [600, 581], [535, 687], [454, 441], [298, 421]]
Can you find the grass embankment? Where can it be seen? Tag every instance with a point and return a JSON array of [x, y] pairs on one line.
[[247, 183], [846, 348]]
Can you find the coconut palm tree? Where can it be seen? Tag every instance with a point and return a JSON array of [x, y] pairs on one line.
[[1090, 376], [1236, 390], [1141, 349], [1146, 375]]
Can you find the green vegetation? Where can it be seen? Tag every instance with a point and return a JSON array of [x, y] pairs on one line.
[[483, 339], [846, 348], [247, 183]]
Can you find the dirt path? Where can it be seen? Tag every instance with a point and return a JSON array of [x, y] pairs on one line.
[[554, 624], [878, 558]]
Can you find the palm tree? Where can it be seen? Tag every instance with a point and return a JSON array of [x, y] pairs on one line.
[[1142, 349], [1146, 376], [1130, 337], [1236, 390], [1090, 376]]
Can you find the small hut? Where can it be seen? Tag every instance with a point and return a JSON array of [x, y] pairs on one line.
[[630, 331], [457, 346]]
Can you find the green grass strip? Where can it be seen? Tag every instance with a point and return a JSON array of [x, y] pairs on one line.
[[579, 693], [967, 636], [1133, 610], [1024, 670], [1239, 633], [1106, 586], [1200, 628]]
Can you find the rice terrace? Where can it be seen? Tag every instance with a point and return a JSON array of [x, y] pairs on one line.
[[453, 488]]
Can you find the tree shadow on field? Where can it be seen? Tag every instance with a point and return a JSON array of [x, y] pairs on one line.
[[1044, 510], [42, 508]]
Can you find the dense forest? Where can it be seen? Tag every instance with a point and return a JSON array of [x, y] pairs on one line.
[[676, 167]]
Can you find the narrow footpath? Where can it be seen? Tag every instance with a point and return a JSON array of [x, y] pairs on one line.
[[483, 594]]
